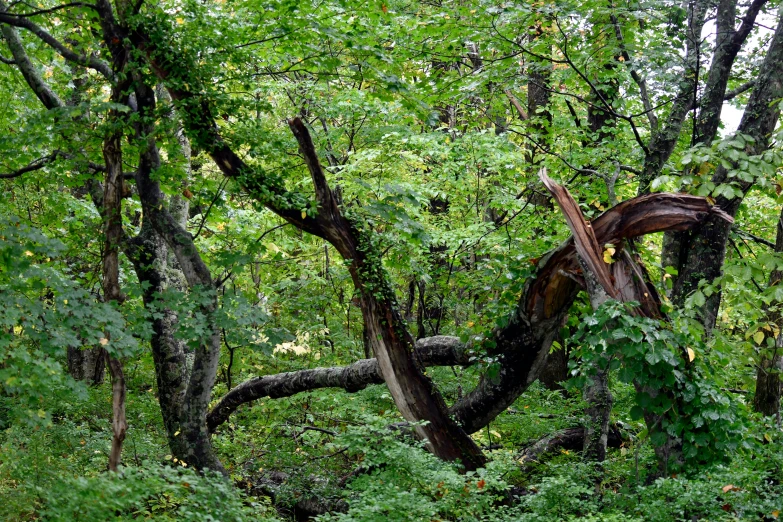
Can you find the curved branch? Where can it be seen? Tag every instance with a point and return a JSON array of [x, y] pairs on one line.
[[522, 346], [52, 10], [33, 165], [39, 87], [87, 61], [439, 350]]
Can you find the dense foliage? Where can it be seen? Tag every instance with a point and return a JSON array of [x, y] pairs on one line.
[[225, 225]]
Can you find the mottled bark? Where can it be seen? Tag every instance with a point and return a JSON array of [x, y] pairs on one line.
[[624, 281], [430, 351], [184, 415], [191, 441], [601, 287], [728, 42], [87, 364]]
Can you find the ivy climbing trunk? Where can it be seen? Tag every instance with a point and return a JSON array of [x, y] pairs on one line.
[[414, 394]]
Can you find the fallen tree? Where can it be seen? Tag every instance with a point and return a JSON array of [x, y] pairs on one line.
[[521, 348]]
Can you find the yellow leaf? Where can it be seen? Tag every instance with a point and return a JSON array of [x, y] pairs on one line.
[[608, 253], [180, 21], [177, 433], [758, 337], [304, 214], [496, 434], [104, 341], [775, 514], [167, 457], [28, 253], [691, 354], [65, 301], [767, 437]]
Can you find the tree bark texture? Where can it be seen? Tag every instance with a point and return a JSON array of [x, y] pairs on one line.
[[413, 392], [766, 399], [87, 364], [523, 345], [113, 236], [601, 287], [624, 281], [184, 414], [431, 351], [187, 408], [663, 140]]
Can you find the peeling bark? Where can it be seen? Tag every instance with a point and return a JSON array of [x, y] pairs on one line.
[[624, 282], [113, 235]]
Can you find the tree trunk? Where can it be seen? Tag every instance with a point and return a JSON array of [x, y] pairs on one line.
[[555, 371], [187, 409], [113, 236], [702, 254], [766, 400], [87, 364]]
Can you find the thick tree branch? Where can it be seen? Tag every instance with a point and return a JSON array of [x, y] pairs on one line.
[[44, 93], [431, 351], [87, 61], [522, 346]]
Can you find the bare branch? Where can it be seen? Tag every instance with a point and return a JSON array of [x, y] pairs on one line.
[[518, 106], [52, 10], [431, 351], [32, 166]]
